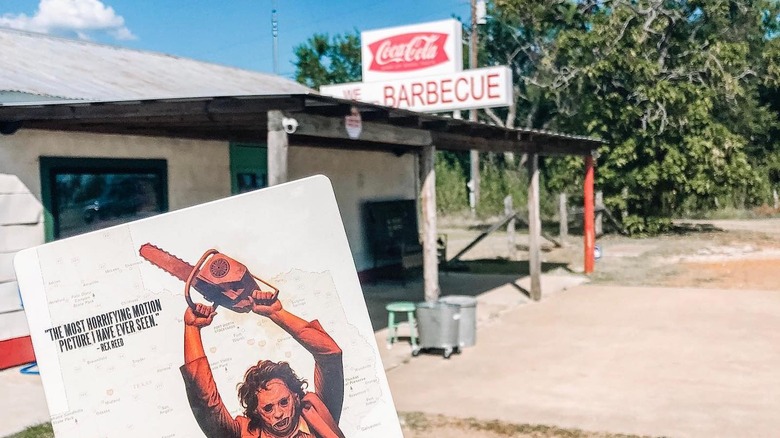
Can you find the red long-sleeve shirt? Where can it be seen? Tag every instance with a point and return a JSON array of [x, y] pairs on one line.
[[320, 410]]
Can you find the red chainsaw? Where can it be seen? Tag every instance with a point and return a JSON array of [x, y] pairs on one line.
[[219, 278]]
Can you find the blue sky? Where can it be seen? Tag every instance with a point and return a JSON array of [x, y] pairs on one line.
[[230, 32]]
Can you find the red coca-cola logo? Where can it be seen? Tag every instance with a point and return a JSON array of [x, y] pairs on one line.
[[409, 51]]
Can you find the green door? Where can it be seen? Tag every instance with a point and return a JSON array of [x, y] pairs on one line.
[[248, 167]]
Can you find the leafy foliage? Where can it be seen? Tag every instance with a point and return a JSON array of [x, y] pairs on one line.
[[673, 88], [497, 180], [39, 431], [323, 60], [686, 95], [451, 191]]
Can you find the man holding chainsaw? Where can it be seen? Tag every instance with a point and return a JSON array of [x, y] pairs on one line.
[[275, 402]]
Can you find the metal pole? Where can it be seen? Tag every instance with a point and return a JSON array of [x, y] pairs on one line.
[[275, 34], [589, 230], [474, 154]]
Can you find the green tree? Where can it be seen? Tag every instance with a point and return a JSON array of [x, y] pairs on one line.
[[521, 34], [672, 86], [451, 193], [684, 92], [323, 60]]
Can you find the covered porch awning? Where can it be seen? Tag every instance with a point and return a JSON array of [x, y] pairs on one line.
[[320, 121]]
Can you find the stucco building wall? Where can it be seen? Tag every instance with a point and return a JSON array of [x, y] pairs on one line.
[[199, 170], [357, 177]]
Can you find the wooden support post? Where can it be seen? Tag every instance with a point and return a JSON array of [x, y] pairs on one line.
[[589, 231], [277, 149], [534, 228], [624, 210], [563, 215], [599, 225], [474, 180], [428, 201], [510, 228], [474, 63]]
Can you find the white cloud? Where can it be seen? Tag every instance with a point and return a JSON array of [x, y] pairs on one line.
[[76, 16]]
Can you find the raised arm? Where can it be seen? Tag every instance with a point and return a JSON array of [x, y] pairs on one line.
[[328, 365], [205, 401]]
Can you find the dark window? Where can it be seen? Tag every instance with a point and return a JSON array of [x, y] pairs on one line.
[[248, 167], [86, 194]]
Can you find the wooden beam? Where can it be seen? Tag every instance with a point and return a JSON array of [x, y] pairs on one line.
[[534, 228], [403, 118], [460, 142], [433, 124], [355, 145], [221, 134], [333, 127], [518, 142], [152, 108], [510, 228], [599, 224], [277, 149], [201, 120], [509, 217], [563, 217], [428, 201], [557, 147], [474, 182]]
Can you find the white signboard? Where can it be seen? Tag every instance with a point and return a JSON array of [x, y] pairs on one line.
[[478, 88], [412, 51]]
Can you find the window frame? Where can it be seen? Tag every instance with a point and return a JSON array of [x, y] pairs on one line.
[[51, 166]]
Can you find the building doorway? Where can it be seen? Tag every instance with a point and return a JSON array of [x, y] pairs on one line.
[[248, 167]]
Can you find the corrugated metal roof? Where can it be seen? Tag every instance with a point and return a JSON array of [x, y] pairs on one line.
[[44, 65]]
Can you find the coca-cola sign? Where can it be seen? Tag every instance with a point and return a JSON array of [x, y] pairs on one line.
[[409, 51]]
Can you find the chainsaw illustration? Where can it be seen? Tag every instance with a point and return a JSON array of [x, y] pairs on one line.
[[220, 279]]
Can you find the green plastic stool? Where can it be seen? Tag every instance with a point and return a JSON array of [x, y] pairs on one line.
[[392, 325]]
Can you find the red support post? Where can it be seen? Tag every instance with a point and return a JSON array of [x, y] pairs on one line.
[[589, 215]]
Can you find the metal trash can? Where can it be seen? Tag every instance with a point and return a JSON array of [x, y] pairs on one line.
[[437, 327], [468, 318]]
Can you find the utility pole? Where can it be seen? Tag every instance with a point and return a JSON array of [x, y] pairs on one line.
[[275, 35], [474, 154]]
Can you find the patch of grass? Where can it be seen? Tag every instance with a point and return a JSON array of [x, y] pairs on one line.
[[39, 431], [420, 422], [414, 421], [762, 211]]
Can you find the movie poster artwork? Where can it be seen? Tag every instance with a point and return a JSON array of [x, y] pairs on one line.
[[237, 318]]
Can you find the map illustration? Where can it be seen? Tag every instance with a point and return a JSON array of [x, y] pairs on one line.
[[138, 329]]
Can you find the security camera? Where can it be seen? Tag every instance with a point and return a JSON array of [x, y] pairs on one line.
[[290, 125]]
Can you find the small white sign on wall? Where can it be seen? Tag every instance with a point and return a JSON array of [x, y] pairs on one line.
[[353, 124]]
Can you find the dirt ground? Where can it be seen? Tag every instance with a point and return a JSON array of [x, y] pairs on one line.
[[726, 254], [717, 254]]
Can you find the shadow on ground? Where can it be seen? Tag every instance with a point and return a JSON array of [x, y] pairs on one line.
[[687, 228], [519, 268], [471, 278]]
